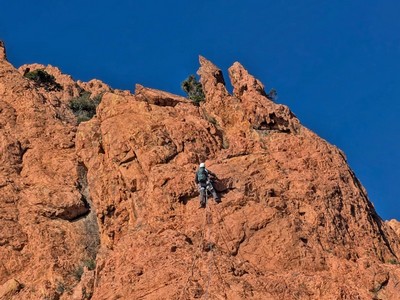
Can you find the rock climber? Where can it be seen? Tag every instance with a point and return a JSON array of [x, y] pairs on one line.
[[203, 179]]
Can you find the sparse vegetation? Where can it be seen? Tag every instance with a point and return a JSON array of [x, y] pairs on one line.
[[84, 107], [193, 89], [209, 118], [393, 261], [78, 272], [43, 79], [90, 264], [60, 289], [273, 94]]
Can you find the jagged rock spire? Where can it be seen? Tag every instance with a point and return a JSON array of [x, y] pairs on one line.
[[243, 82], [211, 78]]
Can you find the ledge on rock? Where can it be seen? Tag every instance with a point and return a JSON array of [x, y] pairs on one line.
[[158, 97], [64, 204]]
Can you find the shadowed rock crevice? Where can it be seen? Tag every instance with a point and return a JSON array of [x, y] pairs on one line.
[[273, 123], [90, 218]]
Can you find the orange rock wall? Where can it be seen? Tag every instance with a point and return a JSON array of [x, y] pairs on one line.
[[109, 209]]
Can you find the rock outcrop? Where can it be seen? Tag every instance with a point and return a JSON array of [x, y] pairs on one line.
[[294, 222], [9, 289], [70, 88], [118, 191], [395, 226], [3, 55], [47, 229], [158, 97]]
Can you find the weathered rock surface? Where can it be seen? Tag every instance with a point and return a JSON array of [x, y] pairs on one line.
[[3, 55], [46, 228], [294, 222], [95, 87], [70, 88], [158, 97], [9, 289], [395, 226]]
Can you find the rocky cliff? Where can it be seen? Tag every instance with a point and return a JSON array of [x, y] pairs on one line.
[[108, 209]]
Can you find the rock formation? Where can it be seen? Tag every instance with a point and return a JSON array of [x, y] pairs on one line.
[[3, 55], [109, 210], [395, 225], [71, 89], [47, 229]]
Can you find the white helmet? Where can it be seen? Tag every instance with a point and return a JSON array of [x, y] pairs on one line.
[[202, 165]]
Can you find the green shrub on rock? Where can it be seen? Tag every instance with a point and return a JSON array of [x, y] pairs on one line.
[[43, 79], [84, 107], [193, 89], [272, 95]]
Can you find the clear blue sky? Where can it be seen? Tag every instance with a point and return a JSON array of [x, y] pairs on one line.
[[336, 63]]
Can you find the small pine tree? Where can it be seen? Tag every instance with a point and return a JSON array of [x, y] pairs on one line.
[[273, 94], [193, 89]]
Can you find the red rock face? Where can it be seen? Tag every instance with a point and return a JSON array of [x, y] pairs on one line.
[[395, 226], [3, 55], [47, 230], [294, 222], [71, 89]]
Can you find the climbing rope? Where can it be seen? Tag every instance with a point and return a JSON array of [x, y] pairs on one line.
[[209, 246], [205, 244], [239, 253], [196, 255]]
